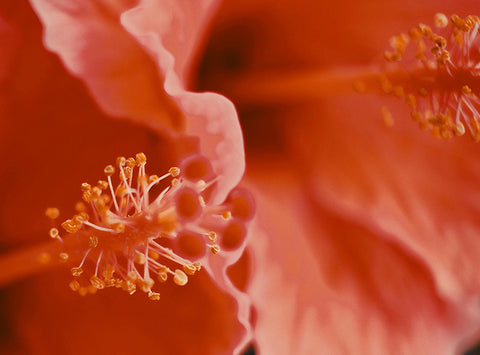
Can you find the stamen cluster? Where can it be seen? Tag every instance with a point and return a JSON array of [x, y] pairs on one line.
[[441, 78], [124, 238]]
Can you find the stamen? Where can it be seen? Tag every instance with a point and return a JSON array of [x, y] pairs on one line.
[[127, 233], [440, 75]]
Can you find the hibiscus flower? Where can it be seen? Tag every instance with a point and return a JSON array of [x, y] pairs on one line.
[[82, 83], [366, 236]]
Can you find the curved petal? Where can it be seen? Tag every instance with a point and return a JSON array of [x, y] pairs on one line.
[[128, 60], [54, 138], [419, 192], [344, 289], [51, 319]]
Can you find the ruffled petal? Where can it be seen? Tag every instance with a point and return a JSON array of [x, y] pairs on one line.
[[128, 61], [54, 137]]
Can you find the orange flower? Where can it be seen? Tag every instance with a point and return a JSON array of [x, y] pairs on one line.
[[113, 86], [366, 236]]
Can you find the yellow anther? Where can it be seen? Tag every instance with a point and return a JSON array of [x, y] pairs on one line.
[[130, 287], [387, 117], [44, 258], [425, 30], [162, 277], [70, 227], [175, 182], [152, 178], [108, 272], [215, 249], [212, 236], [440, 20], [85, 187], [102, 184], [180, 278], [411, 101], [121, 161], [74, 285], [110, 282], [127, 172], [76, 271], [118, 227], [83, 291], [198, 265], [80, 206], [87, 196], [53, 233], [154, 296], [153, 255], [190, 269], [132, 276], [91, 289], [139, 259], [97, 282], [146, 285], [63, 257], [109, 170], [131, 163], [459, 129], [52, 212], [174, 171], [466, 90], [415, 34], [92, 241], [226, 215], [141, 159]]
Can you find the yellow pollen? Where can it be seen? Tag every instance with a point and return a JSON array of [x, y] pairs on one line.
[[440, 20], [109, 170], [97, 282], [74, 285], [174, 171], [80, 206], [140, 259], [140, 159], [52, 212], [63, 257], [154, 296], [53, 233], [212, 236], [76, 271], [189, 269], [180, 278], [125, 225], [387, 117], [92, 241]]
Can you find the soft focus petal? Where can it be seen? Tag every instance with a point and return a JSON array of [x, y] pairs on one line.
[[128, 61], [421, 192], [388, 197], [345, 290]]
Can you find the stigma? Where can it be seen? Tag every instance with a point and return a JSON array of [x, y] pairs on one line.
[[438, 76], [135, 231]]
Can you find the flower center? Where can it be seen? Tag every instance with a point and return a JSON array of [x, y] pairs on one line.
[[134, 230], [440, 76]]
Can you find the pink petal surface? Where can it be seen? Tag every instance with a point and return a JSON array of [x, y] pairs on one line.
[[344, 290], [419, 192], [53, 138], [128, 61]]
